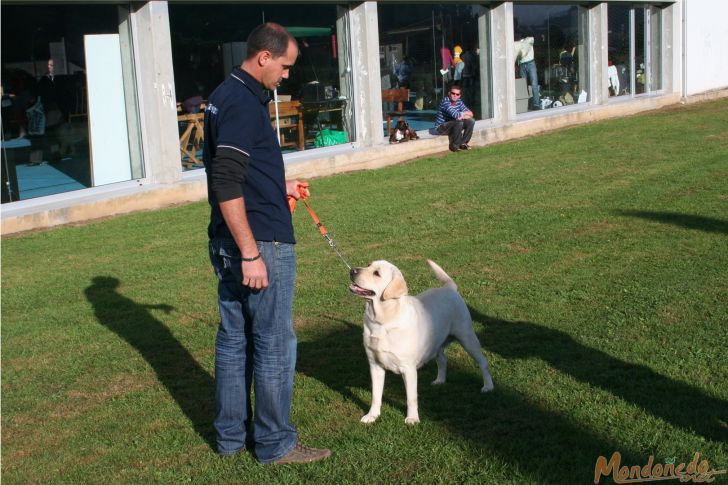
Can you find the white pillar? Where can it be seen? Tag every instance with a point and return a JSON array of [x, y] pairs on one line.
[[598, 54], [155, 91], [367, 94], [503, 79]]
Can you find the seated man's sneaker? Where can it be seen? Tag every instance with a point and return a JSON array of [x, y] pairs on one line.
[[303, 454], [465, 147]]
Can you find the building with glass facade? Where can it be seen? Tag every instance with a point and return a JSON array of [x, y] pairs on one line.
[[102, 103]]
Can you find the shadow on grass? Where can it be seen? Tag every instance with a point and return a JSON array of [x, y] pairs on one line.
[[678, 403], [187, 382], [707, 224], [337, 359], [534, 441]]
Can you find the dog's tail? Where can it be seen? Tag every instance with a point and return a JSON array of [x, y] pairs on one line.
[[441, 276]]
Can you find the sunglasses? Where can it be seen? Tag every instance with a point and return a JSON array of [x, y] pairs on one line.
[[455, 94]]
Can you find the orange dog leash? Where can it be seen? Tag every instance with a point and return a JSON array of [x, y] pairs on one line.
[[303, 190]]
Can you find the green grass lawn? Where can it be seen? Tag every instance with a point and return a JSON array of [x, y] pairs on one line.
[[594, 261]]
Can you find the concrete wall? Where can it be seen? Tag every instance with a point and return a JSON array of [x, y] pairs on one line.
[[705, 53]]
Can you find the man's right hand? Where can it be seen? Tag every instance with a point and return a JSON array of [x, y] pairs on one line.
[[255, 275]]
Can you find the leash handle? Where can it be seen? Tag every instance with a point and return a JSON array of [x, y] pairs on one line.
[[303, 190]]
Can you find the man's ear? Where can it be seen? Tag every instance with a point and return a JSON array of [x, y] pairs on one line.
[[396, 288], [263, 57]]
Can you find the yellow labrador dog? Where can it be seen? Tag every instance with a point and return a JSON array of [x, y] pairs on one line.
[[402, 333]]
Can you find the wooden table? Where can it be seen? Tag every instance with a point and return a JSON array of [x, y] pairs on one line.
[[290, 119], [335, 105]]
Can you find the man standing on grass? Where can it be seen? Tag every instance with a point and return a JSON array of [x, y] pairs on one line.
[[252, 252], [455, 119]]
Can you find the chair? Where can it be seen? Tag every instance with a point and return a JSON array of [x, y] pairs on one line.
[[290, 121], [192, 137], [399, 96], [80, 108]]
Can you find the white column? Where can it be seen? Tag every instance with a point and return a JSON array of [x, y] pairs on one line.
[[598, 54], [367, 93], [503, 79], [155, 91]]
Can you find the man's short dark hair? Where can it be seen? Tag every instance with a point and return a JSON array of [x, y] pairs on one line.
[[269, 37]]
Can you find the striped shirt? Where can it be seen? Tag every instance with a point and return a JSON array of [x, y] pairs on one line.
[[448, 111]]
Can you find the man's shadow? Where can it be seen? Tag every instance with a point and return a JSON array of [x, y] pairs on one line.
[[680, 404], [187, 382], [497, 423]]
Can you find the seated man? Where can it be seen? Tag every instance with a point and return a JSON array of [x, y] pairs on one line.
[[455, 119]]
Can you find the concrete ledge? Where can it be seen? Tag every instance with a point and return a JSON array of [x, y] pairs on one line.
[[89, 204], [367, 158], [707, 96]]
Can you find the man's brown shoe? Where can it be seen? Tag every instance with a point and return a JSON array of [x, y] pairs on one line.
[[303, 454]]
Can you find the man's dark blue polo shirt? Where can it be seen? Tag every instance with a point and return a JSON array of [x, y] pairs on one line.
[[238, 127]]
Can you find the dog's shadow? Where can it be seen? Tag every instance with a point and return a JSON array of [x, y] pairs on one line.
[[495, 423]]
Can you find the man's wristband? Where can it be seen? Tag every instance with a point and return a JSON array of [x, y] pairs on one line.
[[249, 260]]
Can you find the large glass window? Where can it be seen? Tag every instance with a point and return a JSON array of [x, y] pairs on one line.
[[550, 51], [423, 51], [208, 41], [635, 49], [56, 62], [639, 51], [619, 50], [655, 64]]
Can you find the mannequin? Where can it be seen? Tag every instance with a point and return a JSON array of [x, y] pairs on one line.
[[523, 47], [458, 63], [447, 58]]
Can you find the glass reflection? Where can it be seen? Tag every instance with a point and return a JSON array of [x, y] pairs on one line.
[[45, 125], [312, 108], [655, 76], [619, 59], [550, 56], [639, 51], [423, 51], [635, 50]]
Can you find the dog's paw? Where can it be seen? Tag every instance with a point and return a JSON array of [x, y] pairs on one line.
[[412, 420], [369, 418], [487, 388], [437, 382]]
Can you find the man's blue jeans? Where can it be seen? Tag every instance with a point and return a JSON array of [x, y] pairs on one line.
[[255, 345], [528, 71], [459, 132]]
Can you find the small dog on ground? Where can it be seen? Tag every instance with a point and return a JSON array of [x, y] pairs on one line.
[[402, 333], [402, 133]]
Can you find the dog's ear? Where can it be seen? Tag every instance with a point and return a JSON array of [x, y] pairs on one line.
[[396, 288]]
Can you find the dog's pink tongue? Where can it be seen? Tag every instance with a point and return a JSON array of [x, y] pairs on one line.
[[358, 290]]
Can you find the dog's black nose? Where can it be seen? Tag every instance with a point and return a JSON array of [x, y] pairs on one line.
[[353, 271]]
